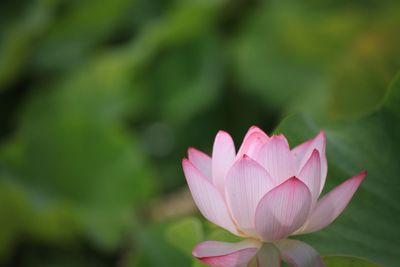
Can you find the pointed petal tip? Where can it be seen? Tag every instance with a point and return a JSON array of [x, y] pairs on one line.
[[222, 132], [223, 135], [195, 250], [363, 174], [359, 177], [315, 152], [293, 181], [254, 128], [322, 135], [201, 161], [293, 178], [252, 142], [245, 158], [187, 166], [278, 136], [315, 155], [191, 151]]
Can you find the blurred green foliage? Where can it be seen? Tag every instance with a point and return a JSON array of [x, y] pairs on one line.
[[346, 261], [100, 99]]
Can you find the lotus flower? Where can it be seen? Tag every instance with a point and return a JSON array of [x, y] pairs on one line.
[[264, 193]]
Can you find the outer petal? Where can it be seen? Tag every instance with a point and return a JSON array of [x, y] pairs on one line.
[[207, 198], [247, 182], [299, 254], [303, 152], [332, 204], [221, 254], [255, 129], [277, 159], [268, 256], [201, 161], [310, 174], [252, 142], [283, 210], [223, 156]]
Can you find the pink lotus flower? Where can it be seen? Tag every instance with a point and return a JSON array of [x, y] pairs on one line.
[[264, 193]]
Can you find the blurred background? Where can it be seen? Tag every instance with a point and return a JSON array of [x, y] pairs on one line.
[[99, 101]]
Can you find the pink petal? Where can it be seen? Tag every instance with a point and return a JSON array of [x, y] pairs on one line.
[[201, 161], [247, 182], [303, 152], [283, 210], [299, 254], [268, 256], [223, 156], [332, 204], [277, 159], [207, 198], [255, 129], [221, 254], [252, 142], [311, 175]]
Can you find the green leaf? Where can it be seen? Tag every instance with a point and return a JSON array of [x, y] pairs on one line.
[[72, 150], [222, 235], [16, 47], [347, 261], [73, 35], [278, 55], [154, 249], [185, 234], [198, 263], [280, 41], [392, 99], [369, 226], [187, 79]]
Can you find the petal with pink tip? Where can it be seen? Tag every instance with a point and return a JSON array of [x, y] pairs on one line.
[[252, 142], [223, 156], [201, 161], [247, 182], [277, 159], [299, 254], [332, 204], [222, 254], [303, 152], [283, 210], [268, 256], [207, 198], [311, 175], [255, 129]]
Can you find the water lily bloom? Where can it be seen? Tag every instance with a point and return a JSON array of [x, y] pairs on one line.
[[264, 193]]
